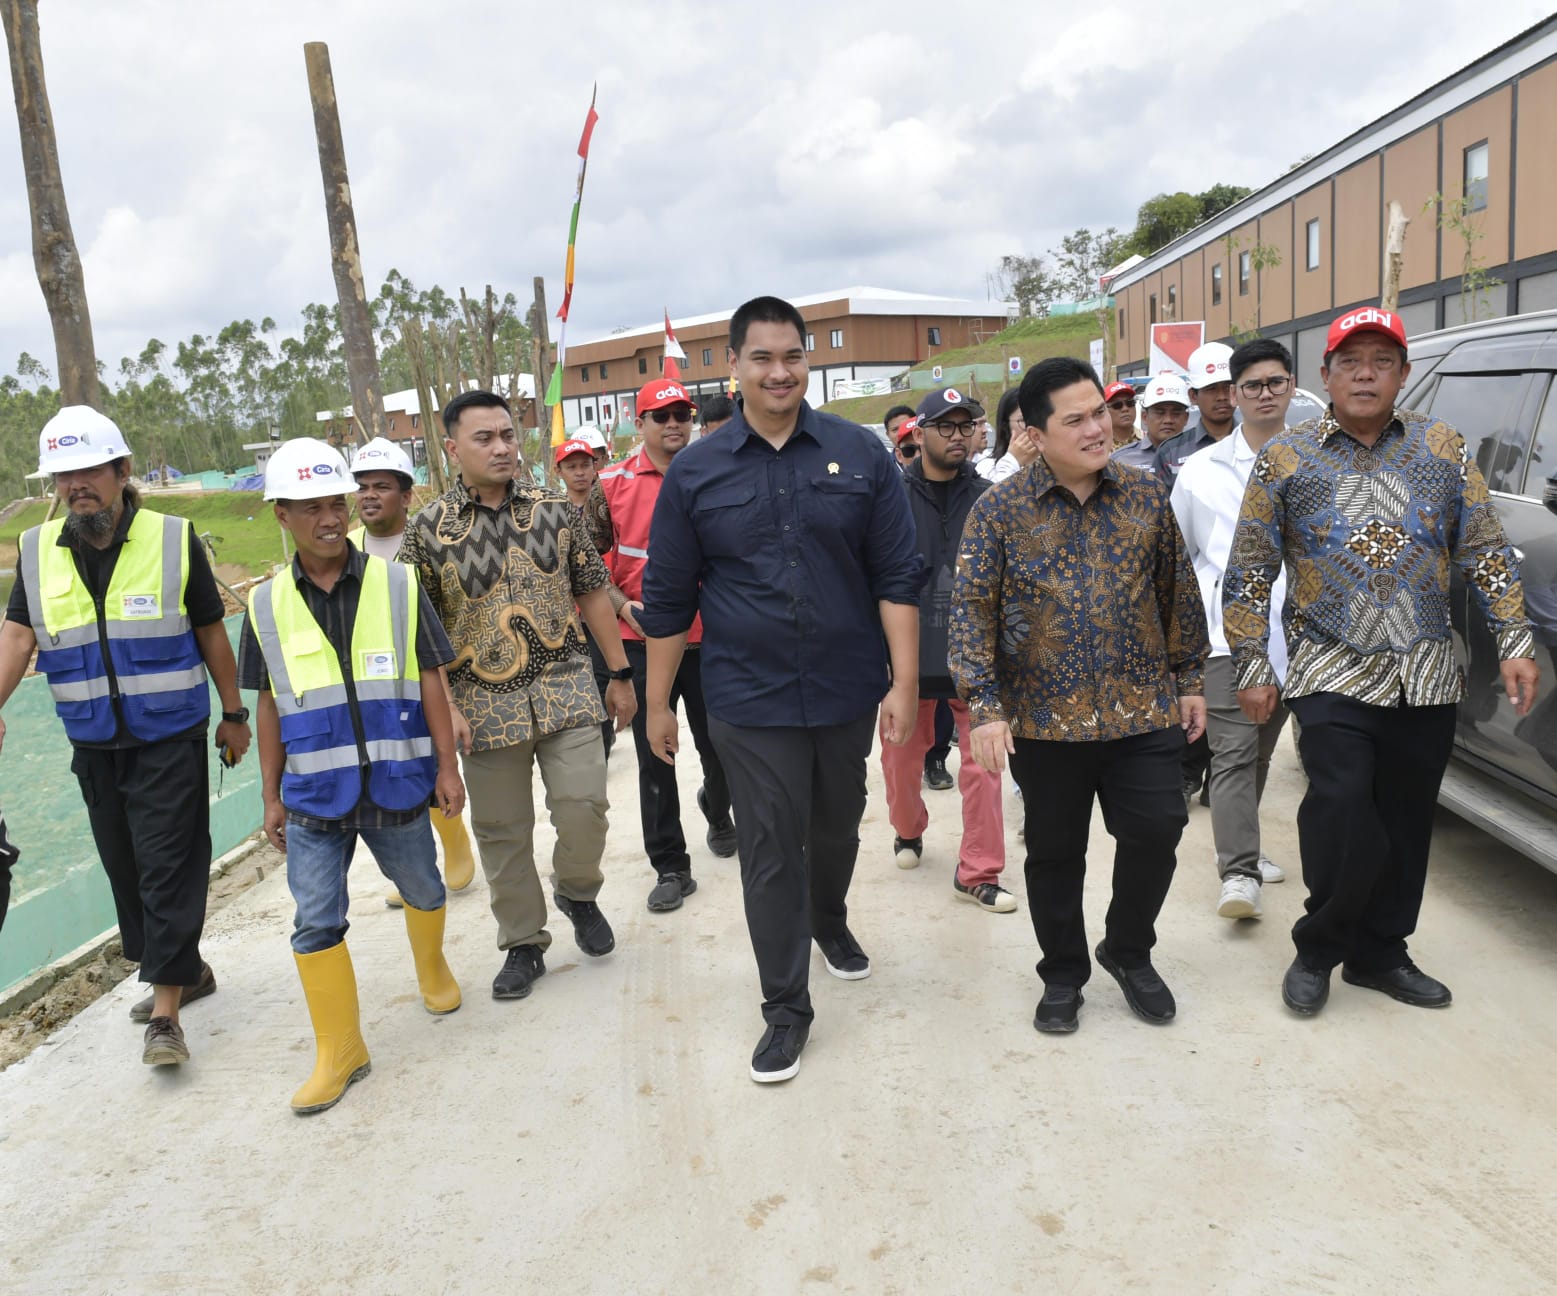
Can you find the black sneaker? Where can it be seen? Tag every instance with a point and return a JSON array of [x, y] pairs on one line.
[[721, 834], [591, 931], [936, 777], [1407, 983], [522, 968], [844, 957], [987, 895], [1057, 1009], [670, 890], [907, 850], [1144, 991], [778, 1053]]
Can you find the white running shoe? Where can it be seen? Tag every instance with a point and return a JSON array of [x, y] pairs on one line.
[[1270, 872], [1240, 898]]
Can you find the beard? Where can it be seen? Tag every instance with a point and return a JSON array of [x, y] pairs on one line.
[[90, 527]]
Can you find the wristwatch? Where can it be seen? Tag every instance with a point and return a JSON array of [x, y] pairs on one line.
[[240, 716], [626, 673]]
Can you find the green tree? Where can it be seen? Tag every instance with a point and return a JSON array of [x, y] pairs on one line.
[[1166, 216], [1083, 258]]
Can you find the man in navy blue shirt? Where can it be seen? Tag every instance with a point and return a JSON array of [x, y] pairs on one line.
[[789, 531]]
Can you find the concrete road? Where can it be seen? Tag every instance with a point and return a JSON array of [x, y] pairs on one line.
[[603, 1135]]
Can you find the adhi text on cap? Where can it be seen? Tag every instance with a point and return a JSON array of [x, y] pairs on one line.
[[306, 468], [572, 446], [1366, 319], [79, 437], [660, 393]]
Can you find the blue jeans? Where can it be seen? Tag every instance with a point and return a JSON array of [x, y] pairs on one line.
[[317, 860]]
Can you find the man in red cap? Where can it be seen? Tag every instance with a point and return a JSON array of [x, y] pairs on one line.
[[901, 424], [664, 421], [1120, 399], [1367, 506]]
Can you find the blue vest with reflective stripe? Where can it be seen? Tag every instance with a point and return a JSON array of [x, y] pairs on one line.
[[323, 773], [157, 669]]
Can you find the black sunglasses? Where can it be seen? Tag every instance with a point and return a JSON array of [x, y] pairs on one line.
[[907, 449], [678, 412]]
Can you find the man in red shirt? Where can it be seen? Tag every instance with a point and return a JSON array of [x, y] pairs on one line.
[[664, 420]]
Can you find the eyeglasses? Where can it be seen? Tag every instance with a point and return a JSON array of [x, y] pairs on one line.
[[1276, 386], [680, 413], [951, 428], [1122, 403], [907, 449]]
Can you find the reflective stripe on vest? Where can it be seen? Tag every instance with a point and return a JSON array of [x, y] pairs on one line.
[[323, 774], [152, 648]]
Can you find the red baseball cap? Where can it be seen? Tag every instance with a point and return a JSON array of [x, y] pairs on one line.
[[907, 428], [1366, 319], [660, 393], [573, 447], [1117, 389]]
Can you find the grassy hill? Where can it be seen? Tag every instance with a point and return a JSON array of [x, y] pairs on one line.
[[1032, 339]]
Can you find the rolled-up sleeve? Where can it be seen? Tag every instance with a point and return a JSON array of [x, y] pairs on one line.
[[672, 574], [1252, 568], [975, 616], [894, 567]]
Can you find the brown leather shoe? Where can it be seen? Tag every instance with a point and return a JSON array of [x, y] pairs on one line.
[[164, 1043], [141, 1012]]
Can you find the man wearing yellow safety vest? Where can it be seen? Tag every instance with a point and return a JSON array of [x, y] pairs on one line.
[[385, 476], [127, 619], [354, 737]]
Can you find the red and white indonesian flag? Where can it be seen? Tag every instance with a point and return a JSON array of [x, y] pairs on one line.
[[673, 351]]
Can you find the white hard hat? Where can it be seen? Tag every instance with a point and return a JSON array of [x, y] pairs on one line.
[[1209, 364], [305, 468], [384, 455], [79, 437], [1163, 388], [590, 435]]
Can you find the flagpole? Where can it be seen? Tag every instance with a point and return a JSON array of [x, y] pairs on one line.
[[554, 391]]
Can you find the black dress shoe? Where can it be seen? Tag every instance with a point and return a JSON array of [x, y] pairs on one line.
[[721, 838], [1149, 998], [1407, 983], [1305, 989], [591, 931], [1056, 1013], [523, 966]]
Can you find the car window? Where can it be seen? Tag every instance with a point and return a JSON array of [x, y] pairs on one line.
[[1484, 409], [1543, 450]]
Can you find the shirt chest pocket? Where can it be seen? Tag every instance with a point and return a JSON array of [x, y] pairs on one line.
[[724, 520], [839, 503]]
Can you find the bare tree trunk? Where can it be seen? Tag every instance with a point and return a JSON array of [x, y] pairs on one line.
[[53, 244], [540, 338], [367, 390], [1394, 256], [415, 341]]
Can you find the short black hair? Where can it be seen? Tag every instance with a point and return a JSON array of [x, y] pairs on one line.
[[1008, 406], [763, 310], [477, 399], [1036, 394], [894, 412], [716, 409], [1253, 353]]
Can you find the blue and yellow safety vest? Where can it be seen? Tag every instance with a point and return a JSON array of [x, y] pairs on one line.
[[316, 701], [137, 645]]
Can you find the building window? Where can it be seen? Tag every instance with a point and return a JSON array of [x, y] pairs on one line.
[[1476, 177], [810, 341], [1173, 301], [935, 336], [1216, 284], [1153, 301], [662, 364], [1313, 244], [1245, 269], [583, 373], [1122, 325], [602, 371], [836, 340], [708, 355], [643, 364]]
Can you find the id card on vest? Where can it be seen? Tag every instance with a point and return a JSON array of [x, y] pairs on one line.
[[378, 665]]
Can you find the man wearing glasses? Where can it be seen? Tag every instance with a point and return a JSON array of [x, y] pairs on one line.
[[1120, 399], [941, 487], [1206, 500], [664, 420]]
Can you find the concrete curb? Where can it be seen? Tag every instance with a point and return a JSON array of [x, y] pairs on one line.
[[32, 988]]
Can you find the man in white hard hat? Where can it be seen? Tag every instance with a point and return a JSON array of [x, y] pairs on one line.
[[344, 650], [594, 438], [122, 605], [511, 573], [1216, 413], [1164, 412]]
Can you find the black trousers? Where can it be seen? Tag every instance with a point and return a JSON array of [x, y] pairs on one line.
[[1137, 781], [943, 735], [799, 794], [1365, 826], [1196, 760], [602, 679], [659, 800], [150, 811], [8, 856]]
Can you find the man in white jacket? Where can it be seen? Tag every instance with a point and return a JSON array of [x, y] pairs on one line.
[[1206, 499]]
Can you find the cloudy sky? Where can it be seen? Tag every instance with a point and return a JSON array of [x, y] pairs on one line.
[[790, 148]]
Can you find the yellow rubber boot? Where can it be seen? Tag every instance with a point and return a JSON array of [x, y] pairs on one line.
[[459, 861], [330, 986], [440, 992]]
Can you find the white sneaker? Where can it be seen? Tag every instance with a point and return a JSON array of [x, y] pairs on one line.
[[1270, 872], [1240, 898]]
